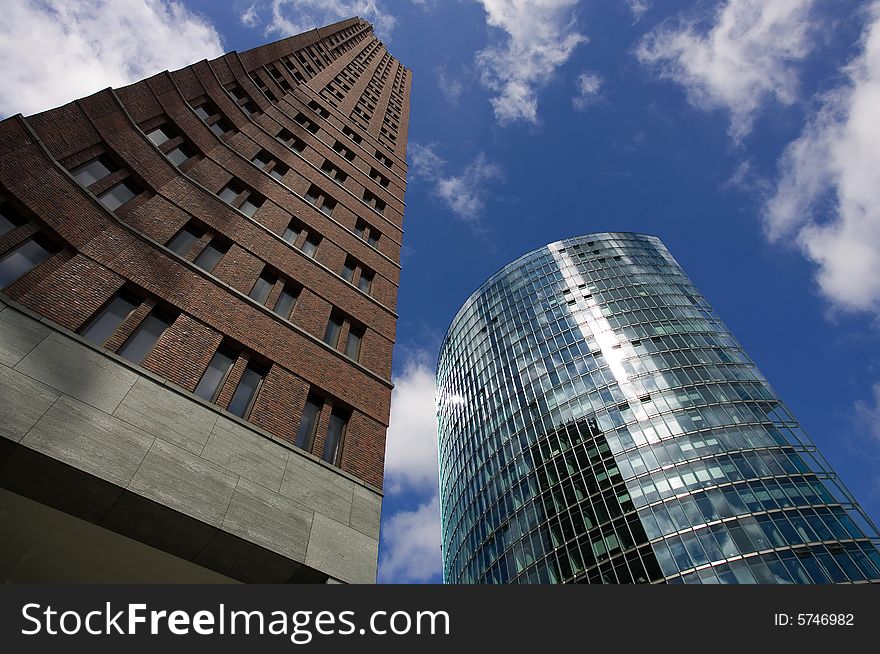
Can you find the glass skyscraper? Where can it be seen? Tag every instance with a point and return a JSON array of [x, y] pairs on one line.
[[598, 423]]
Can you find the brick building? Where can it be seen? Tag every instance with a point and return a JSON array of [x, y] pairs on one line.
[[198, 280]]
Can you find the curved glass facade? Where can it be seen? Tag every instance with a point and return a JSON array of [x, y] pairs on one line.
[[599, 424]]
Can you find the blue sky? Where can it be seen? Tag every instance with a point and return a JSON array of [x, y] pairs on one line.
[[744, 133]]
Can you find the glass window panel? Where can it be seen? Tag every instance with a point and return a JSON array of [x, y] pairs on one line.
[[334, 326], [215, 374], [210, 256], [335, 435], [158, 136], [228, 193], [22, 260], [139, 344], [9, 218], [286, 301], [218, 128], [177, 155], [310, 247], [105, 323], [93, 171], [353, 342], [365, 282], [202, 112], [245, 393], [308, 423], [348, 270], [249, 207], [291, 233], [263, 287], [118, 195], [183, 241]]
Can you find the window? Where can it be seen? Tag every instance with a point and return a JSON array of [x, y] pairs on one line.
[[353, 341], [211, 255], [246, 392], [350, 133], [320, 200], [159, 135], [183, 241], [180, 154], [303, 120], [263, 286], [167, 138], [213, 118], [385, 161], [310, 246], [335, 436], [332, 171], [334, 327], [119, 194], [24, 258], [286, 300], [9, 218], [292, 231], [105, 323], [215, 374], [348, 269], [242, 197], [379, 178], [141, 342], [294, 143], [374, 202], [365, 282], [243, 100], [266, 162], [344, 151], [94, 171], [367, 232], [308, 424], [317, 108]]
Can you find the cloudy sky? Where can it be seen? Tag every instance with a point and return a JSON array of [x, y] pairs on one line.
[[744, 133]]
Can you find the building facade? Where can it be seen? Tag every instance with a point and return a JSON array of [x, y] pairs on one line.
[[198, 277], [598, 423]]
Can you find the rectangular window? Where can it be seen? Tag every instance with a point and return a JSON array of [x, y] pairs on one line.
[[332, 171], [317, 108], [320, 200], [350, 133], [365, 282], [334, 326], [246, 392], [251, 204], [303, 120], [367, 232], [348, 269], [286, 301], [308, 423], [105, 323], [22, 259], [94, 171], [263, 286], [243, 100], [310, 246], [159, 135], [9, 218], [211, 116], [335, 437], [344, 151], [211, 255], [385, 161], [231, 191], [141, 342], [379, 178], [183, 241], [373, 237], [353, 341], [180, 154], [215, 374], [266, 162], [292, 232], [374, 202], [291, 141], [119, 195]]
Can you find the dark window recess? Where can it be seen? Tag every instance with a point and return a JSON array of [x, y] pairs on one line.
[[181, 153], [211, 255], [339, 148], [353, 341], [24, 258], [286, 300], [303, 120], [141, 342], [318, 109], [243, 100], [119, 194], [263, 286], [290, 140], [308, 423], [9, 217], [333, 171], [266, 162], [310, 245], [348, 269], [94, 171], [365, 282], [334, 327], [292, 231], [367, 232], [183, 241], [213, 118], [167, 138], [215, 374], [374, 202], [379, 178], [108, 319], [354, 136], [242, 197], [160, 135], [385, 161], [320, 200], [335, 436], [246, 392]]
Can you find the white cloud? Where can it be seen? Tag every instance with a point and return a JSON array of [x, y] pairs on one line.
[[868, 414], [411, 444], [450, 86], [54, 51], [638, 8], [411, 545], [747, 57], [589, 90], [827, 197], [249, 16], [540, 36], [463, 194], [296, 16]]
